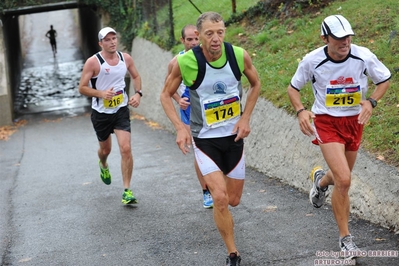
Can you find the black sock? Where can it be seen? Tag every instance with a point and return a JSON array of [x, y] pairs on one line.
[[233, 255]]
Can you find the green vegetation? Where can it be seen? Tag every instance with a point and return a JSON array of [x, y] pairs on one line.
[[277, 42], [185, 13], [124, 17]]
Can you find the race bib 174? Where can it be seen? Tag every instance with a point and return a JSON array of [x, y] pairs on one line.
[[220, 111]]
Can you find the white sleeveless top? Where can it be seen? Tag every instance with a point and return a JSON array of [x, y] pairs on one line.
[[110, 77], [219, 97]]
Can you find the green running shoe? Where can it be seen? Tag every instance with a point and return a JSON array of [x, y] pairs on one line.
[[105, 174], [128, 198]]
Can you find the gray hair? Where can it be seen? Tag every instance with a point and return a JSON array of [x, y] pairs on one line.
[[211, 16]]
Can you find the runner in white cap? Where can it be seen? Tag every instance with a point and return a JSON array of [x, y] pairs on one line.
[[103, 79], [339, 73]]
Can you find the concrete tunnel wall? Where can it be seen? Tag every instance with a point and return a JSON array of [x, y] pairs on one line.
[[90, 22], [11, 65]]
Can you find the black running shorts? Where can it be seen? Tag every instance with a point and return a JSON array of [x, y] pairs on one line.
[[224, 152], [104, 124]]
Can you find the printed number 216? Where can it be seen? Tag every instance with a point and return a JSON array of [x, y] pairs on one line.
[[114, 102]]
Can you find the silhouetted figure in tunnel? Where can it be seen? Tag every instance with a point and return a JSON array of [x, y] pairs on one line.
[[52, 34]]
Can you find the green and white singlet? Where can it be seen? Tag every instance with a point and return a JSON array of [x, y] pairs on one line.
[[216, 102]]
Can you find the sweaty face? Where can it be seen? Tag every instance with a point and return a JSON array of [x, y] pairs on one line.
[[109, 42], [338, 49], [191, 39], [212, 36]]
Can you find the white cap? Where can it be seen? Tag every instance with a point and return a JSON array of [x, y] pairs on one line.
[[104, 31], [337, 26]]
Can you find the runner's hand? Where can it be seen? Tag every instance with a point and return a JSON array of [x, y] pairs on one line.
[[242, 129], [135, 100], [184, 103], [183, 140], [366, 112], [108, 94], [304, 119]]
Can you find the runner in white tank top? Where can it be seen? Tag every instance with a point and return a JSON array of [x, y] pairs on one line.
[[103, 79], [224, 177]]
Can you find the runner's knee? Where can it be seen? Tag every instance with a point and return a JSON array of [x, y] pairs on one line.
[[342, 185], [234, 201], [220, 199]]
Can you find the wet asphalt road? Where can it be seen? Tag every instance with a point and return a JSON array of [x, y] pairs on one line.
[[56, 211]]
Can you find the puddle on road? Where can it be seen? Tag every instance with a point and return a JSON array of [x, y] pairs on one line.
[[49, 88]]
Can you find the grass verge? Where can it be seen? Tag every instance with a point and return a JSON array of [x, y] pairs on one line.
[[279, 38]]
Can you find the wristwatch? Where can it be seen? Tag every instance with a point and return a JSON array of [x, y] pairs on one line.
[[373, 102], [140, 93]]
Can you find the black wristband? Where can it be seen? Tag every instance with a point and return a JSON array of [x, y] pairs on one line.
[[373, 102], [140, 93], [299, 111]]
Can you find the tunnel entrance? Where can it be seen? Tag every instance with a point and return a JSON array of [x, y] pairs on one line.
[[49, 79], [41, 81]]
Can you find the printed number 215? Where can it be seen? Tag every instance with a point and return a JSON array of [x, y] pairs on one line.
[[345, 100]]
